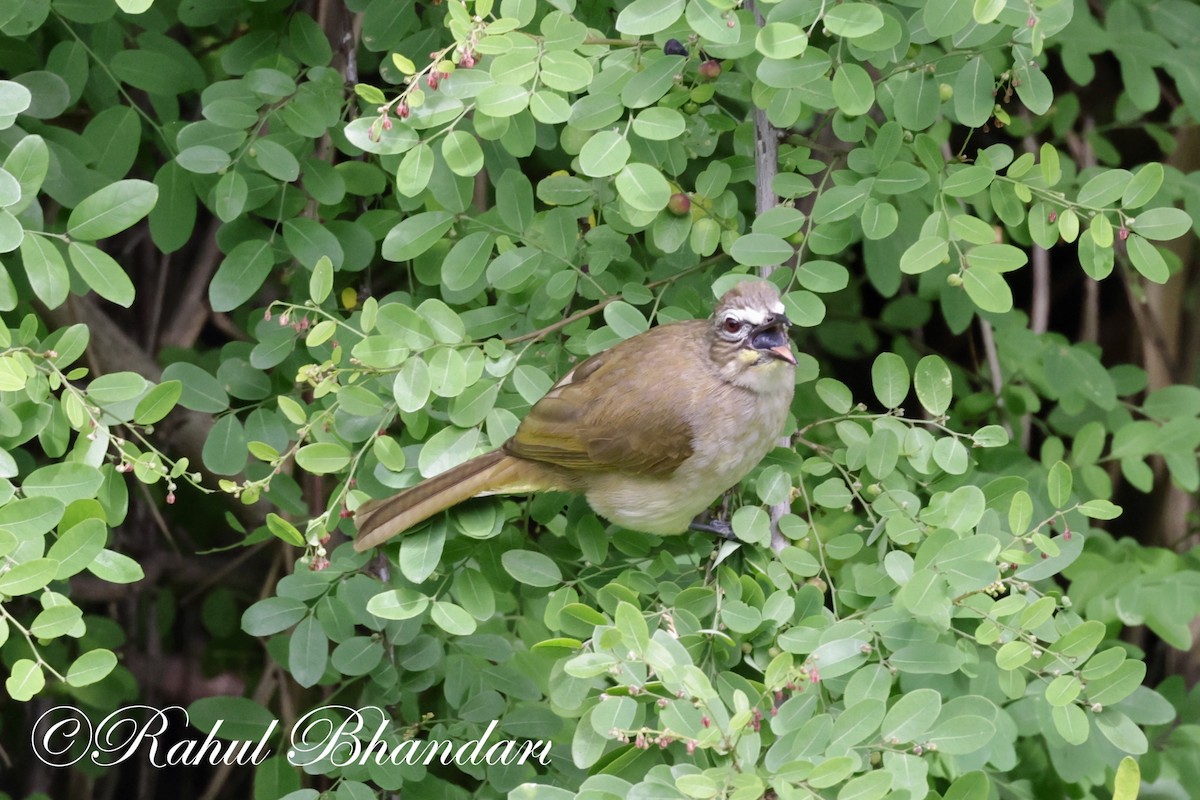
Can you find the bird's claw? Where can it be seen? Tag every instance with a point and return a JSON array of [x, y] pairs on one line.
[[717, 527]]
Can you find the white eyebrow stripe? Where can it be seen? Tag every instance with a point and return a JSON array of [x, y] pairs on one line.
[[754, 316]]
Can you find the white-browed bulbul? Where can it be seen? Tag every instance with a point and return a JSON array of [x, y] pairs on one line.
[[651, 431]]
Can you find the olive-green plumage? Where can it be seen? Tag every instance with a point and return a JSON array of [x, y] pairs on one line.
[[651, 431]]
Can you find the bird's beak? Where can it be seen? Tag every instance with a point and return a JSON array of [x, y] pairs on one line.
[[771, 337]]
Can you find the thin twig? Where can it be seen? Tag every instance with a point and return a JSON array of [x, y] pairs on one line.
[[993, 360]]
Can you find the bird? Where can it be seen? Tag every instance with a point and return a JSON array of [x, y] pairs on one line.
[[650, 431]]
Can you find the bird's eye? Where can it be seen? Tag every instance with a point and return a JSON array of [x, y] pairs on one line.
[[733, 325]]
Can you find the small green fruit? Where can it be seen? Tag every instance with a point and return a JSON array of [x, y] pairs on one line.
[[954, 279], [945, 91]]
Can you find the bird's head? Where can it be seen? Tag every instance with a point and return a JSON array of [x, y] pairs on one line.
[[749, 333]]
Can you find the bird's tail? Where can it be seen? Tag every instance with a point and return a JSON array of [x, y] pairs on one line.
[[380, 520]]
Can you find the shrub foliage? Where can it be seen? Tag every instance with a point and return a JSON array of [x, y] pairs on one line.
[[358, 241]]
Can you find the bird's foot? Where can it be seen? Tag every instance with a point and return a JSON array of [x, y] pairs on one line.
[[717, 527]]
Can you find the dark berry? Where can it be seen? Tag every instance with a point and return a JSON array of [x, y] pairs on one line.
[[674, 47]]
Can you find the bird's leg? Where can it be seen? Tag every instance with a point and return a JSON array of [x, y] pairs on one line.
[[718, 527]]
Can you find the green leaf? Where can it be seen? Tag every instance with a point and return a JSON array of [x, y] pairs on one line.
[[412, 385], [230, 196], [917, 101], [511, 270], [889, 379], [67, 482], [502, 100], [1144, 186], [14, 98], [1013, 655], [241, 274], [276, 160], [102, 273], [531, 568], [46, 270], [468, 258], [1100, 509], [659, 124], [853, 90], [643, 187], [988, 290], [947, 17], [452, 618], [882, 453], [962, 735], [398, 604], [853, 20], [320, 283], [986, 11], [77, 547], [781, 40], [840, 202], [1033, 87], [761, 249], [322, 458], [28, 577], [822, 276], [55, 621], [912, 715], [225, 448], [308, 652], [934, 385], [280, 528], [1146, 259], [1058, 483], [1020, 513], [28, 162], [996, 257], [644, 17], [112, 209], [624, 319], [1128, 781], [967, 181], [1162, 223], [415, 170], [204, 159], [373, 136], [273, 615], [565, 71], [357, 655], [26, 680], [971, 786], [462, 153], [309, 242], [835, 394], [606, 153], [200, 391], [924, 254], [1104, 188], [973, 87], [416, 234], [91, 667], [1063, 690], [475, 594]]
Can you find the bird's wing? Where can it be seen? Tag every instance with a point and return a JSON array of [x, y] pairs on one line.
[[594, 419]]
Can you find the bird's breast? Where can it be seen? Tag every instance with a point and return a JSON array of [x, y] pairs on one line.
[[733, 433]]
